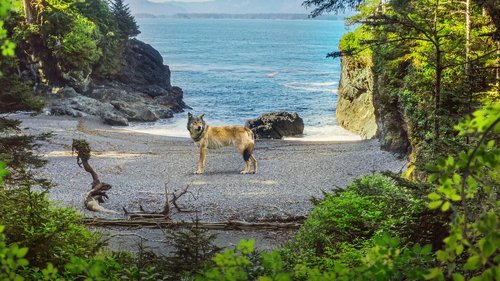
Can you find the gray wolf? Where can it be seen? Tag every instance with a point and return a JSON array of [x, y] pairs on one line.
[[210, 137]]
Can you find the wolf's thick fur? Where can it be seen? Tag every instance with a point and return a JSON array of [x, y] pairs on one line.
[[208, 137]]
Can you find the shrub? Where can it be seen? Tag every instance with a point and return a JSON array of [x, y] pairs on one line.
[[52, 234], [467, 185], [341, 227], [77, 49], [17, 95]]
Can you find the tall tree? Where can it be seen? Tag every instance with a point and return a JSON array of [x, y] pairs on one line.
[[126, 22]]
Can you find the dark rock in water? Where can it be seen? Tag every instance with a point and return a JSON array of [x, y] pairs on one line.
[[143, 70], [140, 91], [173, 100], [115, 120], [276, 125]]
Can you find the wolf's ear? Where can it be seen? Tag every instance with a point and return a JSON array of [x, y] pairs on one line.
[[201, 116], [190, 116]]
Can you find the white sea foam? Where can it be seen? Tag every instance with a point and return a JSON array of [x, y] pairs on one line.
[[176, 127], [272, 74], [326, 133], [313, 86]]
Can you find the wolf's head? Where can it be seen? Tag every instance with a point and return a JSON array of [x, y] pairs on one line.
[[196, 126]]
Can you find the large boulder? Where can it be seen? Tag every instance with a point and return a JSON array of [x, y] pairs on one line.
[[276, 125]]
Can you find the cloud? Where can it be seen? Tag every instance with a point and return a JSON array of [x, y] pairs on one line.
[[185, 1]]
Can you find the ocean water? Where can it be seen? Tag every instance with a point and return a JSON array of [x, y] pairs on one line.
[[234, 70]]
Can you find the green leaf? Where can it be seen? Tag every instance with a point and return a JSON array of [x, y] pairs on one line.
[[446, 206], [458, 277], [435, 273], [434, 196], [435, 204], [473, 263], [22, 252], [487, 246], [442, 255]]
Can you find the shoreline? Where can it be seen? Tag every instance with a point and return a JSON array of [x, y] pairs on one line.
[[176, 128], [140, 166]]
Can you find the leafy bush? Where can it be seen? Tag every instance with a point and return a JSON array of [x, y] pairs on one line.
[[468, 185], [341, 227], [242, 263], [52, 234], [11, 259], [17, 95], [77, 49], [192, 249]]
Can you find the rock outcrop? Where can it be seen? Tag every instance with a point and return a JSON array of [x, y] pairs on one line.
[[140, 91], [355, 110], [367, 109], [276, 125]]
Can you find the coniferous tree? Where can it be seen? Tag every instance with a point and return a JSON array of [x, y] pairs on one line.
[[126, 22]]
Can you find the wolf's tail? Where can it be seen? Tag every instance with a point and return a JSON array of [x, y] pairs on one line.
[[248, 152]]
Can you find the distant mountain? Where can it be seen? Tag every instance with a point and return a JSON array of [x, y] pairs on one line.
[[155, 7]]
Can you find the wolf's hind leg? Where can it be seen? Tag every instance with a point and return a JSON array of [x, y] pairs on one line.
[[246, 153], [247, 168], [254, 162]]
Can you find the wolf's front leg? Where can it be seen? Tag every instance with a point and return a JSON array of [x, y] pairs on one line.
[[201, 163]]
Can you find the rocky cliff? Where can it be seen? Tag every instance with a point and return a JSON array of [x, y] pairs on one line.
[[366, 108], [355, 110], [140, 91]]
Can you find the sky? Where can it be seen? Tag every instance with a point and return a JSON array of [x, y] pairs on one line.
[[166, 7]]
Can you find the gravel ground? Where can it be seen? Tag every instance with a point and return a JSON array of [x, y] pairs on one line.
[[139, 166]]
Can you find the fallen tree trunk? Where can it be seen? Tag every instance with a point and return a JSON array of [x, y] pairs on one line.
[[164, 223]]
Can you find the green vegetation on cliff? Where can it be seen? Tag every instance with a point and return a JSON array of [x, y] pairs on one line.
[[433, 62], [64, 42]]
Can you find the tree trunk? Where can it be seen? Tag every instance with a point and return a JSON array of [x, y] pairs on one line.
[[29, 12], [439, 72], [437, 93], [468, 77]]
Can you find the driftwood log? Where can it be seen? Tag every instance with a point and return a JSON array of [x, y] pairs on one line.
[[97, 193], [158, 222], [170, 203]]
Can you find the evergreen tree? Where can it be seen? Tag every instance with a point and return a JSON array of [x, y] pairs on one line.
[[126, 22]]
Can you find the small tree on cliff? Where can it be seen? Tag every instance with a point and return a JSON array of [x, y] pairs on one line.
[[126, 22]]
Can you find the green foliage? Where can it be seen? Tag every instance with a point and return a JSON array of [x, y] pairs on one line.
[[53, 234], [385, 260], [425, 82], [192, 248], [467, 185], [77, 49], [109, 43], [6, 45], [353, 43], [11, 259], [239, 265], [125, 21], [341, 227], [16, 150], [17, 95], [71, 39]]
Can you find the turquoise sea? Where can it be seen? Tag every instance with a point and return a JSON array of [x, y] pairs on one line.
[[233, 70]]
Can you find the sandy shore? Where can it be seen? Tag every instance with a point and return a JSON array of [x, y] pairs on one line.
[[139, 166]]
